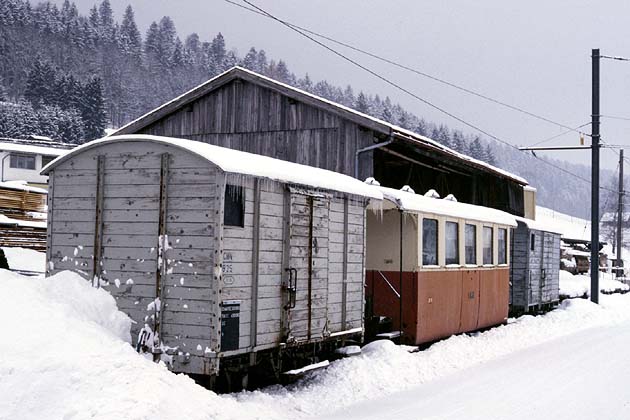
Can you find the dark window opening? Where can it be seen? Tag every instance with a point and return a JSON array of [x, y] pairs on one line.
[[47, 159], [452, 242], [502, 239], [532, 242], [488, 246], [470, 248], [429, 242], [234, 209], [22, 161]]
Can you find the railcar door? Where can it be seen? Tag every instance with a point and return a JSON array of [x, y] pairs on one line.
[[306, 276]]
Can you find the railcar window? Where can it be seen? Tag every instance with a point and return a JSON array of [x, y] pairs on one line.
[[502, 246], [487, 245], [532, 242], [452, 242], [429, 242], [234, 210], [470, 244]]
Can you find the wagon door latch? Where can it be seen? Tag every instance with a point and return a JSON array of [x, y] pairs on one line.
[[291, 288]]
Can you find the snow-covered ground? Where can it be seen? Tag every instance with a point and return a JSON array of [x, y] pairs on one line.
[[64, 354], [25, 259], [580, 285]]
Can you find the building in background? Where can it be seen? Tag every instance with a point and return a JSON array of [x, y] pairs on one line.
[[23, 159]]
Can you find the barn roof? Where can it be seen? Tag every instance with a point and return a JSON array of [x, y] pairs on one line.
[[243, 163], [416, 203], [362, 119], [34, 146]]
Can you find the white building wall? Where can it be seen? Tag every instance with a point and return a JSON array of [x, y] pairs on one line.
[[31, 176]]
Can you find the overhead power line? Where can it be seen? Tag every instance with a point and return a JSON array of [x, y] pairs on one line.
[[408, 92], [255, 9]]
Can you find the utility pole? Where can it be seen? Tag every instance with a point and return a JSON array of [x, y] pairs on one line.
[[595, 145], [619, 263]]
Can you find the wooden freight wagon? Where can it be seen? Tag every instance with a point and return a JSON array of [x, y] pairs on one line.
[[221, 257], [440, 266], [535, 268]]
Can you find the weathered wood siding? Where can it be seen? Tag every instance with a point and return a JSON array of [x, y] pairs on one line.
[[535, 275], [244, 116], [129, 263]]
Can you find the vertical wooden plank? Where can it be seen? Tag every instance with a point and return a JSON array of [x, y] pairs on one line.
[[50, 198], [160, 273], [98, 222], [255, 254], [344, 286]]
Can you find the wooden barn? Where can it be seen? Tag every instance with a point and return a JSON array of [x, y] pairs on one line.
[[246, 111], [217, 255], [535, 269], [440, 266]]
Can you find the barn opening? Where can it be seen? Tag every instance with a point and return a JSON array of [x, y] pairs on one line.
[[234, 210]]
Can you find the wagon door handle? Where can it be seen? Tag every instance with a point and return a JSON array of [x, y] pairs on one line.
[[292, 287]]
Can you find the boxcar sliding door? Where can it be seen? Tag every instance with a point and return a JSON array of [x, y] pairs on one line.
[[306, 274]]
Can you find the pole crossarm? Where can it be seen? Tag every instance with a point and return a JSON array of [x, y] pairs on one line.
[[554, 148]]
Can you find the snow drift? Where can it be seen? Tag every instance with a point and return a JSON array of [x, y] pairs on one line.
[[65, 354]]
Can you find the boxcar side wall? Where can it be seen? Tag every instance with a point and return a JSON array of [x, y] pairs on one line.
[[129, 265]]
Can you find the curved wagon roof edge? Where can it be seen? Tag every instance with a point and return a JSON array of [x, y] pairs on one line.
[[242, 163]]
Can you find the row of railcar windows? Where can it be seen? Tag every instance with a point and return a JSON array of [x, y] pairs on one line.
[[452, 243]]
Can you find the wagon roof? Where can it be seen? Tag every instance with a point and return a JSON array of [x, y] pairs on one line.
[[541, 225], [360, 118], [416, 203], [243, 163]]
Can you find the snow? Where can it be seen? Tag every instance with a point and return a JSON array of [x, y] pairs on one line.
[[392, 128], [21, 186], [540, 225], [419, 203], [569, 226], [28, 148], [580, 285], [5, 220], [25, 259], [243, 163], [65, 354]]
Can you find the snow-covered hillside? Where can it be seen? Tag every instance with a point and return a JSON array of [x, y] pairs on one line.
[[64, 354]]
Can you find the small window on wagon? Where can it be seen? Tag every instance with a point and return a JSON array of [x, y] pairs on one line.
[[451, 233], [487, 245], [234, 210], [470, 244], [502, 239], [429, 242]]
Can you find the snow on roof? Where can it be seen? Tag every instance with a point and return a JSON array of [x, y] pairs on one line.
[[243, 163], [32, 149], [394, 129], [569, 226], [21, 186], [539, 225], [418, 203]]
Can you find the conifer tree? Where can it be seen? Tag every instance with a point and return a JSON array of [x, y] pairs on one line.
[[129, 35], [362, 104], [93, 109]]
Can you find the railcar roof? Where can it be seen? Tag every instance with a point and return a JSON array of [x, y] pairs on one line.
[[416, 203], [243, 163]]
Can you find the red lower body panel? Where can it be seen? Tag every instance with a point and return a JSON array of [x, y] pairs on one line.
[[437, 304]]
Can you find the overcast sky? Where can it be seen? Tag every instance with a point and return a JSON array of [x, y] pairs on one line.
[[535, 54]]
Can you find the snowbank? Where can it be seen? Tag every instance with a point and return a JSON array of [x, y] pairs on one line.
[[25, 259], [64, 354], [580, 285]]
